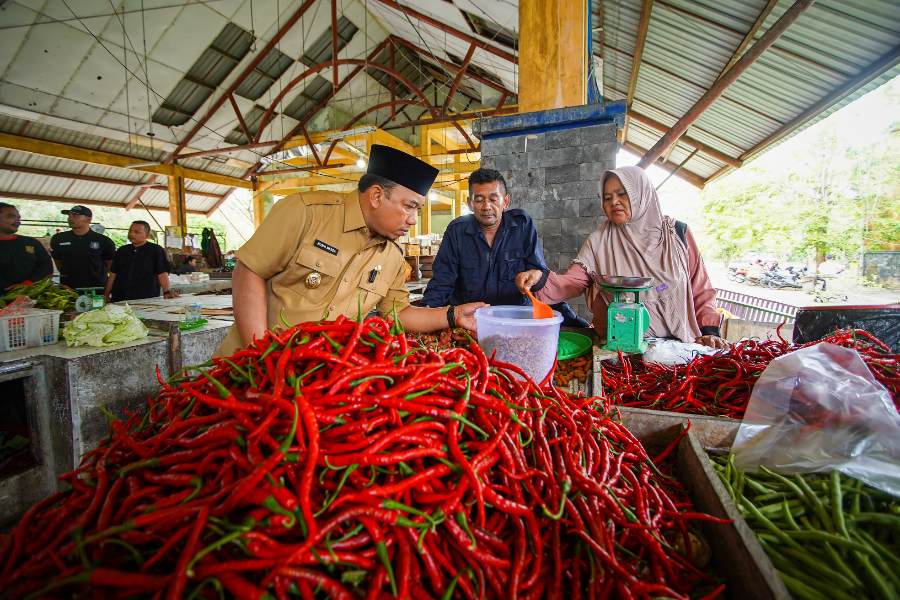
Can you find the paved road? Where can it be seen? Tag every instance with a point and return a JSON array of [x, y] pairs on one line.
[[844, 284]]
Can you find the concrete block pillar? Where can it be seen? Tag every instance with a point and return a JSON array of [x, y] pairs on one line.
[[552, 161]]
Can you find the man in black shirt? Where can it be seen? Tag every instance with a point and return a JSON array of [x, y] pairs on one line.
[[139, 269], [22, 258], [82, 255]]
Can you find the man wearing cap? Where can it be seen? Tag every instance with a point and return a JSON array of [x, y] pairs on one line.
[[322, 254], [82, 255], [22, 258]]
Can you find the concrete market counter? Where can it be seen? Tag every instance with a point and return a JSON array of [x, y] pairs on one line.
[[63, 389]]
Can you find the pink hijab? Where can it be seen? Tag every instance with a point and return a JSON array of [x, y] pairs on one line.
[[645, 246]]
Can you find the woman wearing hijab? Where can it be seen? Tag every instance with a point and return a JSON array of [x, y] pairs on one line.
[[637, 240]]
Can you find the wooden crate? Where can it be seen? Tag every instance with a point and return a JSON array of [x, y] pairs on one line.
[[714, 433], [736, 554]]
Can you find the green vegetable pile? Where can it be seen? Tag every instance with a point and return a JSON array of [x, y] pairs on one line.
[[112, 324], [829, 536], [44, 293]]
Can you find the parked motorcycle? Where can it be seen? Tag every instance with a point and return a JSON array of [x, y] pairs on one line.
[[776, 279], [737, 274]]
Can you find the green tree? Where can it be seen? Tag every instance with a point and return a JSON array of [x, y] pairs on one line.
[[829, 199]]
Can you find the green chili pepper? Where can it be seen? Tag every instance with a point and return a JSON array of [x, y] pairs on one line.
[[330, 499], [223, 391], [566, 488], [382, 553], [464, 523]]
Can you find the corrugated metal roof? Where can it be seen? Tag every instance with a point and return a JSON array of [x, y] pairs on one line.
[[23, 173], [689, 41], [687, 45], [157, 198]]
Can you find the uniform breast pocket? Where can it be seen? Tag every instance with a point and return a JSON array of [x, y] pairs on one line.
[[513, 263], [369, 294], [313, 275]]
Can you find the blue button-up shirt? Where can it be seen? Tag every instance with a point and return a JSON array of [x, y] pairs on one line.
[[467, 269]]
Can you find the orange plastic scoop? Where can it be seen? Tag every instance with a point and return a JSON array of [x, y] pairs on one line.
[[539, 310]]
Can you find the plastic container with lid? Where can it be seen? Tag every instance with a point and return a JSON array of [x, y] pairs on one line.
[[528, 343]]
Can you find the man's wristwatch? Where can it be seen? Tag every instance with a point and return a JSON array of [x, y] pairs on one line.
[[451, 318]]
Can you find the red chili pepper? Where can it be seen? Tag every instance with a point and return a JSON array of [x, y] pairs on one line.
[[176, 589]]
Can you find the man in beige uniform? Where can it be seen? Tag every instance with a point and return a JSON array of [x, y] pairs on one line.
[[322, 254]]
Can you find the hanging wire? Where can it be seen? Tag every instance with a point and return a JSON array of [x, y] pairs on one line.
[[280, 79], [127, 94], [150, 133], [252, 29], [678, 168], [149, 88]]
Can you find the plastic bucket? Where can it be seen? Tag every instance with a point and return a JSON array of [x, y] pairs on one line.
[[518, 339]]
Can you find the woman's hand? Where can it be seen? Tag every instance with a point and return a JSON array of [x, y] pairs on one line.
[[526, 279], [713, 341]]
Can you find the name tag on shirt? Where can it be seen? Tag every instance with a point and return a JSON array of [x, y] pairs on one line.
[[326, 247], [65, 243]]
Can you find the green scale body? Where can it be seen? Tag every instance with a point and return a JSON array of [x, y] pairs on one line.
[[626, 322]]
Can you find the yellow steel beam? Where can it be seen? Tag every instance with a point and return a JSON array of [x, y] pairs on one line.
[[447, 174], [643, 25], [69, 200], [259, 207], [378, 136], [177, 204], [458, 200], [57, 150], [553, 54], [425, 150], [439, 134]]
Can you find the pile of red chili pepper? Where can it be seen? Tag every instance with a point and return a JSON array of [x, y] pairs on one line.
[[720, 384], [443, 339], [331, 459]]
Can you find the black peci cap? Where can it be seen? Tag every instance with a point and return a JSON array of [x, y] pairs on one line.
[[78, 209], [401, 168]]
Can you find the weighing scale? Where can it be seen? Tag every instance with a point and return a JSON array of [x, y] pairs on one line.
[[626, 322], [89, 300]]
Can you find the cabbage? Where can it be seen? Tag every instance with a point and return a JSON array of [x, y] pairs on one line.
[[112, 324]]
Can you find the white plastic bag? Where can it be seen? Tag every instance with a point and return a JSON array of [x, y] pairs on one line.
[[673, 352], [820, 409]]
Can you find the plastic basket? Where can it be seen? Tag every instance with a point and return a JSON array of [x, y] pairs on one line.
[[29, 329]]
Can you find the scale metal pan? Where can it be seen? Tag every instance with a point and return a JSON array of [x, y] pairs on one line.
[[624, 281]]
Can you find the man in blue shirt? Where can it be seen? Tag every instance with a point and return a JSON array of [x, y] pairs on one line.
[[482, 252]]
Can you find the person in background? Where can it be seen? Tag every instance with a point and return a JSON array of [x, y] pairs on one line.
[[139, 269], [637, 240], [481, 253], [82, 255], [22, 258], [188, 266]]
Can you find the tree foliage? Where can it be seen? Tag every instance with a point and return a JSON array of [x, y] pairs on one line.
[[829, 200]]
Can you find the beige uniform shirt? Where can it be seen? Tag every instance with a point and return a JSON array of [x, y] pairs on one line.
[[317, 258]]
